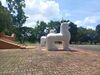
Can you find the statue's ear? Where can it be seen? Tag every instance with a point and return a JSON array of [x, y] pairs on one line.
[[68, 22]]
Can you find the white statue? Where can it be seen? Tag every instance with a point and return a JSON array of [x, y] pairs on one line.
[[43, 41], [43, 38], [63, 36]]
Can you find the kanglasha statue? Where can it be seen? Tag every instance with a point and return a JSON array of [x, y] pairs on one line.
[[64, 36], [43, 38], [43, 41], [52, 37]]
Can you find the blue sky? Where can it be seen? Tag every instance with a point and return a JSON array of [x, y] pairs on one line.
[[80, 8], [85, 13]]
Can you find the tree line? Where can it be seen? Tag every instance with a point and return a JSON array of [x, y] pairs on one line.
[[13, 17], [79, 35]]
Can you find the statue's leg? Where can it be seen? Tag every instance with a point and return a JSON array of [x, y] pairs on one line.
[[65, 45], [43, 41], [50, 43]]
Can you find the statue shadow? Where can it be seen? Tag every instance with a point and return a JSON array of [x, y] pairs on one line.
[[69, 50]]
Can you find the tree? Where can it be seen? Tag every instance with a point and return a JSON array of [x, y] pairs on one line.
[[81, 32], [97, 33], [86, 35], [54, 25], [98, 29], [5, 20], [16, 10], [24, 34], [39, 29], [73, 31]]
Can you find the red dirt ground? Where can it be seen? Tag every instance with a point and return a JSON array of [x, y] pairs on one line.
[[41, 62]]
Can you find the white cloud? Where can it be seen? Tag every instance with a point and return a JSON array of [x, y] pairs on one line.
[[4, 3], [90, 27], [88, 22], [91, 19], [67, 14], [31, 21], [78, 22], [43, 10]]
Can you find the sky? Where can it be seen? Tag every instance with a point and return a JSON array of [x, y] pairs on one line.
[[85, 13]]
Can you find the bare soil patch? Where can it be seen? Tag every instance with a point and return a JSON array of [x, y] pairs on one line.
[[41, 62]]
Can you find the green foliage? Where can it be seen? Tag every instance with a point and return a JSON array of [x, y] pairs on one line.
[[73, 31], [98, 33], [78, 34], [39, 29], [25, 34], [54, 25], [17, 16], [98, 29], [16, 10], [5, 20], [86, 35]]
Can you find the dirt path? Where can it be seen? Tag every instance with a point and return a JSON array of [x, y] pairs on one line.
[[41, 62]]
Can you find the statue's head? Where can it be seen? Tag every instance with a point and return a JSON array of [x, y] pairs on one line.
[[65, 25], [52, 31]]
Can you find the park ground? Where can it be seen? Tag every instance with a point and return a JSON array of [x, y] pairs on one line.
[[81, 60]]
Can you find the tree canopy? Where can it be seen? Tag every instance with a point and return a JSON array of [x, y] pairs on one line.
[[5, 19], [13, 17], [98, 29], [16, 10]]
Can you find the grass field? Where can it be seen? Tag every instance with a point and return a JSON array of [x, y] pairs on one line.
[[39, 62], [87, 47]]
